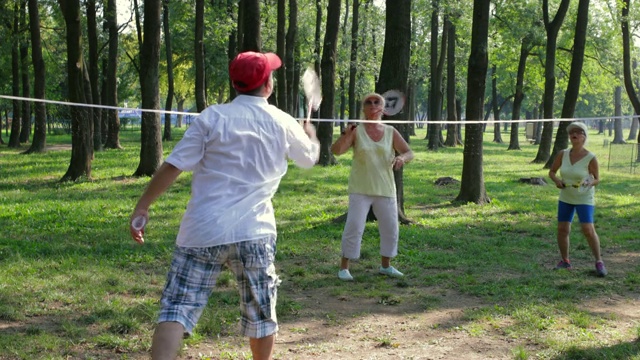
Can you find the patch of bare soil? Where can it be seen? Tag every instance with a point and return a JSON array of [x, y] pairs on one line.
[[58, 147], [344, 328]]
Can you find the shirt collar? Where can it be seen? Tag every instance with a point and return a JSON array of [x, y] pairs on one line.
[[249, 99]]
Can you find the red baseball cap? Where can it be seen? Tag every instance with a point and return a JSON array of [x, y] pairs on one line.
[[251, 69]]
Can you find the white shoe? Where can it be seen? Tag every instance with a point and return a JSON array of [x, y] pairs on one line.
[[390, 271], [345, 275]]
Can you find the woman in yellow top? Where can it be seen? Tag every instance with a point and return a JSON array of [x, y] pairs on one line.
[[378, 150], [579, 174]]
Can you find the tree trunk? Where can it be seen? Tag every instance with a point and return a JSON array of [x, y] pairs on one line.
[[353, 63], [452, 115], [435, 97], [328, 69], [251, 39], [151, 132], [81, 140], [201, 99], [617, 112], [92, 34], [497, 135], [16, 120], [170, 91], [232, 47], [394, 73], [525, 48], [626, 60], [573, 86], [113, 120], [472, 184], [281, 74], [39, 75], [25, 129], [552, 28], [291, 90]]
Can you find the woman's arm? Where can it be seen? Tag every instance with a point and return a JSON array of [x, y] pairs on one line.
[[594, 169], [345, 141], [554, 169], [402, 148]]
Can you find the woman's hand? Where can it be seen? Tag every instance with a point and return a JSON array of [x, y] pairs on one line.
[[398, 162]]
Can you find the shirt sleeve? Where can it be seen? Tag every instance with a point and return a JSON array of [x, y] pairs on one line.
[[190, 149], [302, 150]]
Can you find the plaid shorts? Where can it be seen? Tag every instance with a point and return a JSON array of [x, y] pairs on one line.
[[193, 275]]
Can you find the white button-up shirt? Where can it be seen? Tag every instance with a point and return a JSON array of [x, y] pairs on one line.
[[238, 154]]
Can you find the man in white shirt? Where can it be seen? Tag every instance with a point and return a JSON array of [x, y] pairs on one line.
[[238, 155]]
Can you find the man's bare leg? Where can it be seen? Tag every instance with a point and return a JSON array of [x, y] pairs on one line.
[[262, 348], [167, 340]]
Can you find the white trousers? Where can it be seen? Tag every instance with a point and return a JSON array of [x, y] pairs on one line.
[[386, 211]]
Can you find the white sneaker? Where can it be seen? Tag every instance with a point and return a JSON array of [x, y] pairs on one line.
[[345, 275], [390, 271]]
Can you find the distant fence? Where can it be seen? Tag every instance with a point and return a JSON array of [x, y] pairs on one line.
[[623, 157]]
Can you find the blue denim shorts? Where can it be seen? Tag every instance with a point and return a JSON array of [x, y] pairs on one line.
[[566, 212], [193, 275]]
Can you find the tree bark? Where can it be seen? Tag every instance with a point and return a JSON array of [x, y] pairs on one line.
[[472, 184], [151, 132], [113, 120], [497, 135], [25, 129], [328, 79], [289, 59], [626, 60], [14, 138], [170, 88], [39, 84], [81, 140], [251, 38], [281, 74], [452, 115], [552, 28], [394, 73], [525, 49], [92, 34], [201, 99], [573, 86]]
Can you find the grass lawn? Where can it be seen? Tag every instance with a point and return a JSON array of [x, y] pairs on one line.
[[73, 285]]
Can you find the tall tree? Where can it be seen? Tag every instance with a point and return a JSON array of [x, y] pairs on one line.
[[92, 34], [573, 86], [39, 83], [81, 123], [281, 74], [525, 48], [14, 138], [394, 74], [472, 185], [626, 60], [437, 75], [452, 114], [151, 132], [497, 135], [111, 77], [289, 58], [251, 37], [353, 63], [552, 28], [25, 129], [170, 89], [328, 70], [201, 97]]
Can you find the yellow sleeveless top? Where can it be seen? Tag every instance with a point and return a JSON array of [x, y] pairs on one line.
[[572, 175], [371, 169]]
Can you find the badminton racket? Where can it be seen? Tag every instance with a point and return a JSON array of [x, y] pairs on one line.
[[393, 102], [312, 91], [586, 183]]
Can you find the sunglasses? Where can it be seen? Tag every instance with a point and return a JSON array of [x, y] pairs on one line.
[[372, 102]]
